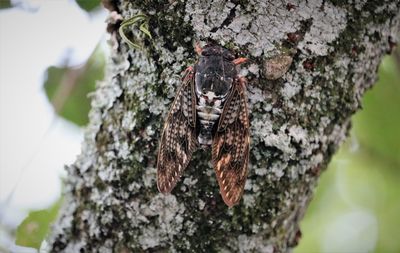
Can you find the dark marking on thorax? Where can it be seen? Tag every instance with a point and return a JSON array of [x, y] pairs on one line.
[[214, 76]]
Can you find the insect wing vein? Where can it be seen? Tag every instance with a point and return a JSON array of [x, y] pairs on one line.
[[178, 139], [230, 149]]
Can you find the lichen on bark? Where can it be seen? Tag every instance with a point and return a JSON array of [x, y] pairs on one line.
[[297, 122]]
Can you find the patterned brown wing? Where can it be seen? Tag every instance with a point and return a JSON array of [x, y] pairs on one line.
[[230, 150], [178, 140]]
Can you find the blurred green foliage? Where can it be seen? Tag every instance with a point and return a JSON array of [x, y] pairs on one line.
[[356, 207], [67, 88], [5, 4], [34, 228], [377, 127], [88, 5]]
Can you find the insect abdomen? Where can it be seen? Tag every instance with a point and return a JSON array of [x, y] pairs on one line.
[[208, 113]]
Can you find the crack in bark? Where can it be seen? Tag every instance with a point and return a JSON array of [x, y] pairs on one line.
[[228, 20]]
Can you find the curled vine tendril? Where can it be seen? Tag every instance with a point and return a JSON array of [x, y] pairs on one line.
[[142, 21]]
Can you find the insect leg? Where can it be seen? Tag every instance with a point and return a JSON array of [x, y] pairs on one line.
[[240, 60], [198, 48], [242, 81], [187, 74]]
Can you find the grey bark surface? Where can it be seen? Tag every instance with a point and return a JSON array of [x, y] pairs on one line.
[[299, 116]]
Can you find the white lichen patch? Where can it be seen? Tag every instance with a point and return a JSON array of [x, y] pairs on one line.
[[105, 95], [269, 23], [261, 171], [255, 96], [150, 131], [280, 140], [253, 243], [248, 185], [129, 121], [298, 134], [202, 204], [290, 89], [123, 150], [150, 238], [254, 69], [316, 160], [107, 246], [243, 72], [77, 246], [240, 23], [248, 200], [157, 107], [191, 228], [278, 169], [189, 181], [149, 177], [65, 221], [326, 27], [168, 211], [359, 4]]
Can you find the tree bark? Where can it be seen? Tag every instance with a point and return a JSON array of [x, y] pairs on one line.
[[310, 64]]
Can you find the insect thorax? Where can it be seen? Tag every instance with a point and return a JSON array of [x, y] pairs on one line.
[[214, 76]]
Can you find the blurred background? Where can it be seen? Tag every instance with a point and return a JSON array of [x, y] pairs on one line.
[[52, 53]]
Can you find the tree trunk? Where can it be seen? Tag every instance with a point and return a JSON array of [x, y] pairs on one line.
[[310, 63]]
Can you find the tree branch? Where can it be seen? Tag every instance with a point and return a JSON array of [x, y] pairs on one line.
[[298, 120]]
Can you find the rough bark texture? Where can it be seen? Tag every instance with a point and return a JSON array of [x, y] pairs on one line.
[[298, 121]]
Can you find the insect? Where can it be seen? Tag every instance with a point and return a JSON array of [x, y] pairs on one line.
[[210, 109]]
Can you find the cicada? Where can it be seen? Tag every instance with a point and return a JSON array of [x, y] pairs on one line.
[[209, 110]]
